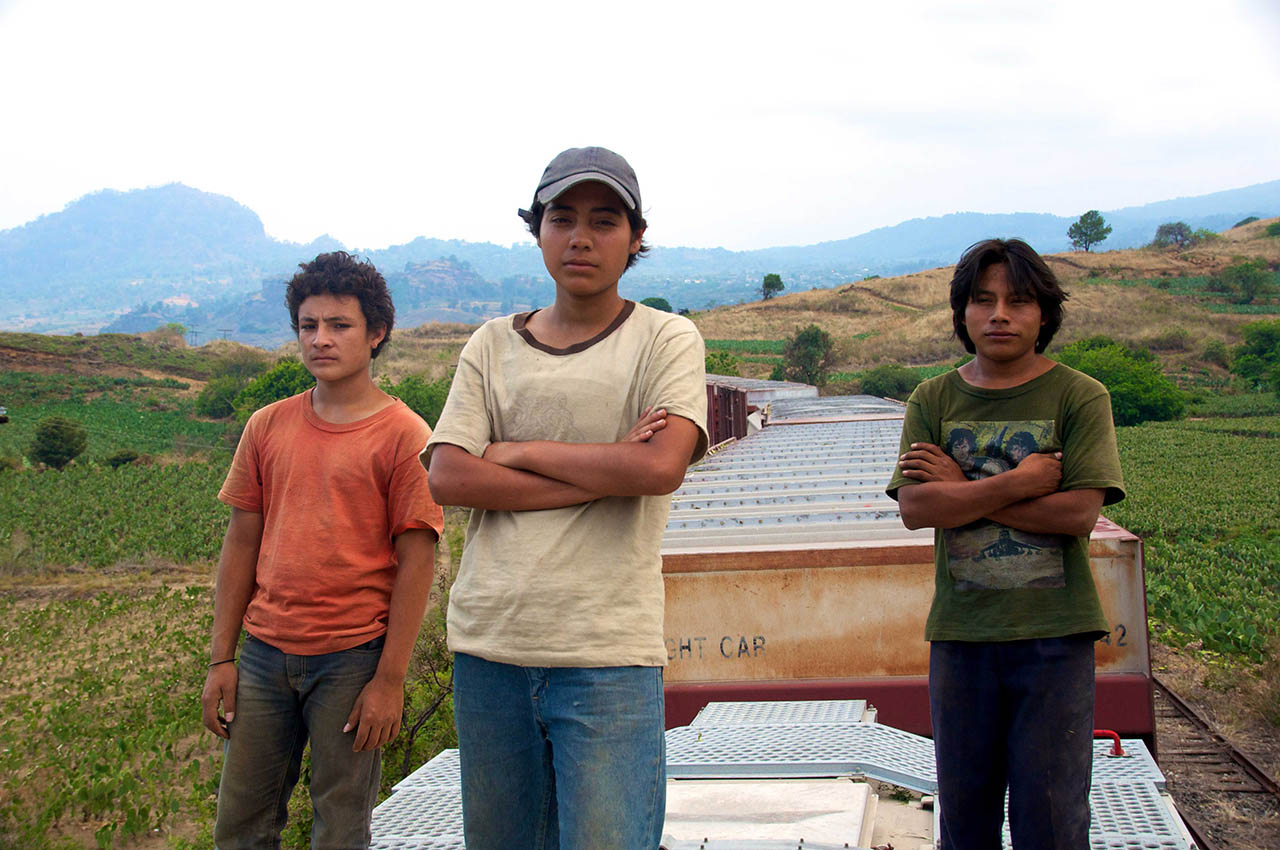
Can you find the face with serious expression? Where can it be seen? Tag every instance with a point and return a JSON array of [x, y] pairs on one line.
[[1002, 323], [586, 239], [333, 337]]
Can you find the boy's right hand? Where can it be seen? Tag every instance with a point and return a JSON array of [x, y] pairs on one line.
[[650, 422], [1039, 474], [219, 687]]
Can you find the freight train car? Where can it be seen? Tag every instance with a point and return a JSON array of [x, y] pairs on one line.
[[790, 575]]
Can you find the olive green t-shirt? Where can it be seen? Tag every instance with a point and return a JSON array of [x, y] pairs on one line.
[[994, 582], [579, 586]]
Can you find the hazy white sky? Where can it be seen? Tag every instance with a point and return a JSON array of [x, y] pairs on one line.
[[749, 124]]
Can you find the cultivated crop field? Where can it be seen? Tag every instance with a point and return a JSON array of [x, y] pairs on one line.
[[1203, 495], [98, 725]]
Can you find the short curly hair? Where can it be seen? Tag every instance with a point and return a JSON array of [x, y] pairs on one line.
[[1028, 275], [339, 273]]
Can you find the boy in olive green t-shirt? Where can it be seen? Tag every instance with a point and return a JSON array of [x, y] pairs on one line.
[[1010, 457]]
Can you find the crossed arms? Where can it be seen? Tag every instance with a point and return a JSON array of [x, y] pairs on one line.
[[1026, 497], [541, 474]]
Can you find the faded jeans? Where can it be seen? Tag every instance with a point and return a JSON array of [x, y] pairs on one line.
[[1015, 714], [560, 757], [281, 701]]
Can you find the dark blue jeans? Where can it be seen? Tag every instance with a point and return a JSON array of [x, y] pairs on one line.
[[281, 702], [560, 757], [1016, 715]]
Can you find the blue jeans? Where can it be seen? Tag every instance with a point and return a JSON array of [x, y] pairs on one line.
[[1016, 714], [281, 701], [560, 757]]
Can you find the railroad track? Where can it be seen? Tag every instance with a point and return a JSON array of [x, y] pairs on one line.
[[1225, 799]]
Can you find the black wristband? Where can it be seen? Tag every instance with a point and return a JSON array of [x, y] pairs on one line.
[[223, 661]]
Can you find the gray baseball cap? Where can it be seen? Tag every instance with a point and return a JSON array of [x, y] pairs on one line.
[[578, 165]]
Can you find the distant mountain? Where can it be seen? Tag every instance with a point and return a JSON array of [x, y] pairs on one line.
[[79, 267], [131, 260]]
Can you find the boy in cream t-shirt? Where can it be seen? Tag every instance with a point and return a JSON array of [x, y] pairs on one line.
[[566, 429]]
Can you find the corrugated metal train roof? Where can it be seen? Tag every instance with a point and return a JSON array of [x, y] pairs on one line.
[[848, 407], [818, 483]]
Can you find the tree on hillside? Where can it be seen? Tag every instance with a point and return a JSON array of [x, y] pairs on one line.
[[1090, 229], [771, 286], [806, 357], [1175, 233], [1247, 279], [658, 303], [58, 441]]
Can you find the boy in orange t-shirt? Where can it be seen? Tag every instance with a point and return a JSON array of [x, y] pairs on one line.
[[327, 564]]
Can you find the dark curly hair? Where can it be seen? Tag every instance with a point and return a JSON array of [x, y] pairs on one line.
[[1028, 275], [339, 273], [533, 218]]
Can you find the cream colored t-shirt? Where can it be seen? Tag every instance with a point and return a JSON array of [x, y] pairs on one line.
[[579, 586]]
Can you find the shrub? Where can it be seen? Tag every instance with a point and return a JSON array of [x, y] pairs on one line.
[[1215, 352], [1175, 338], [58, 441], [890, 381], [243, 364], [218, 398], [1139, 391], [1273, 229], [658, 303], [1242, 222], [722, 363], [1089, 343], [1248, 279], [806, 357], [425, 398], [1259, 354], [11, 463], [287, 378], [121, 458]]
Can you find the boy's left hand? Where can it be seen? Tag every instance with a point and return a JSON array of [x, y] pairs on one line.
[[376, 715], [927, 462], [650, 422]]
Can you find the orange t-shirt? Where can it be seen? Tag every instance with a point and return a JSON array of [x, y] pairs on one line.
[[333, 498]]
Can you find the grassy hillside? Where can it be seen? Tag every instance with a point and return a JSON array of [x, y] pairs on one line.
[[1156, 298]]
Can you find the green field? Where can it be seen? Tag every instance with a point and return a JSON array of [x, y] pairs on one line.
[[1202, 494], [99, 717]]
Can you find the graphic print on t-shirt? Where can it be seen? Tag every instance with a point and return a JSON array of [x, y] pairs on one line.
[[986, 555]]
